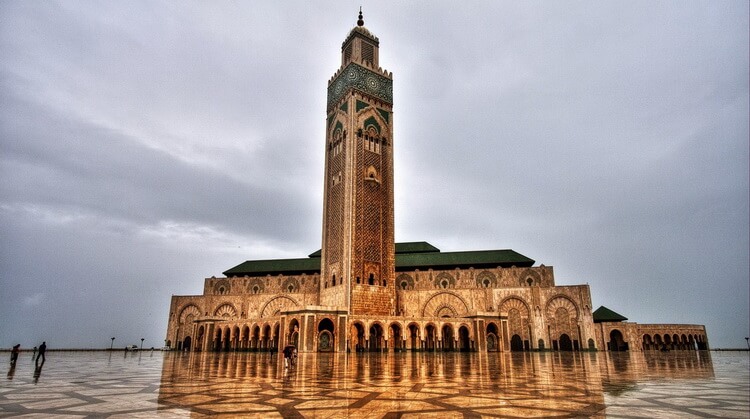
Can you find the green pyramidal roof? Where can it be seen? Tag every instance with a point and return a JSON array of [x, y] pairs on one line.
[[604, 315], [409, 256]]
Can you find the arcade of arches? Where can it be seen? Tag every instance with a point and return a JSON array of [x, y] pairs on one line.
[[511, 328]]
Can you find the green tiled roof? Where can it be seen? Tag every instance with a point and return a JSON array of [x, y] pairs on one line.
[[450, 260], [409, 256], [604, 315], [415, 247], [276, 267]]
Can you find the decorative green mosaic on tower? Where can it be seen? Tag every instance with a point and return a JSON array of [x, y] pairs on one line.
[[362, 79]]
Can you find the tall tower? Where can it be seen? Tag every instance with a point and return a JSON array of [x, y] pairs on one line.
[[358, 251]]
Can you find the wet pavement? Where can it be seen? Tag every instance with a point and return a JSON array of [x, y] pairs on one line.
[[403, 385]]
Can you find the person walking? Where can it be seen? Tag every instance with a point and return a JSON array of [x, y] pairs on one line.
[[42, 350], [14, 354]]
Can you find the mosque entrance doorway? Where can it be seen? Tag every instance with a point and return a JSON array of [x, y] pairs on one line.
[[447, 341], [395, 340], [616, 342], [357, 337], [565, 343], [429, 343], [376, 338], [186, 343], [325, 335], [414, 341], [464, 344], [516, 344], [201, 331], [492, 340]]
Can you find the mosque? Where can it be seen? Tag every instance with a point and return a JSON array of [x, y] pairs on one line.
[[363, 292]]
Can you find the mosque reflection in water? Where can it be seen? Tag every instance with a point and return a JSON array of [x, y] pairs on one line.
[[384, 385]]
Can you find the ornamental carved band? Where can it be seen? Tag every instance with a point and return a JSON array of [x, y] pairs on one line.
[[359, 78]]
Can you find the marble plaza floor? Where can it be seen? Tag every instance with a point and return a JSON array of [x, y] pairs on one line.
[[404, 385]]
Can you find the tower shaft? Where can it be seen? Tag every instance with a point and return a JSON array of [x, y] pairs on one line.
[[358, 252]]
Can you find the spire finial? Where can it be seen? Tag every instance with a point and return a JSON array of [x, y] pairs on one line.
[[361, 21]]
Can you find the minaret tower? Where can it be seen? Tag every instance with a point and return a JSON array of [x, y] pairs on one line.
[[358, 251]]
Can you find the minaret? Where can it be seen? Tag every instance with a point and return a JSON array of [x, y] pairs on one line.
[[358, 252]]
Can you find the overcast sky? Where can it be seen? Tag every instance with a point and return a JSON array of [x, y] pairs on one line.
[[147, 146]]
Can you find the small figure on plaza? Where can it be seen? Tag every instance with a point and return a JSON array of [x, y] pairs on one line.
[[14, 354], [288, 353], [42, 350]]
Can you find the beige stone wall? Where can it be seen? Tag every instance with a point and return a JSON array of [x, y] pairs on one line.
[[458, 308], [640, 337], [268, 284]]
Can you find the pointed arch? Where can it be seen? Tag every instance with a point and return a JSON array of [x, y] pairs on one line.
[[443, 303], [445, 280], [190, 312], [514, 302], [404, 282], [529, 277], [561, 301], [225, 310], [486, 279], [275, 305]]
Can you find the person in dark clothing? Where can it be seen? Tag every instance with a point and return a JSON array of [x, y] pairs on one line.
[[288, 350], [42, 350], [14, 354]]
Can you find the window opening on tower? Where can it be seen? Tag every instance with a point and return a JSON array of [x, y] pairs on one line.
[[368, 53], [372, 143]]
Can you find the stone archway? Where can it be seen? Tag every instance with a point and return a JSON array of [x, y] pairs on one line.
[[493, 342], [446, 342], [562, 317], [415, 343], [430, 337], [275, 305], [616, 341], [186, 343], [199, 339], [565, 343], [445, 304], [395, 338], [326, 335], [376, 338], [357, 337], [464, 341], [516, 344]]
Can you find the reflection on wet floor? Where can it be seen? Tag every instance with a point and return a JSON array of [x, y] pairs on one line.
[[385, 385]]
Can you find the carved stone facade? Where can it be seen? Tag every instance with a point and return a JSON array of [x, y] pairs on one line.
[[362, 291]]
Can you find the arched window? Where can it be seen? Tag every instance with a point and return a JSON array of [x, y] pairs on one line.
[[444, 281]]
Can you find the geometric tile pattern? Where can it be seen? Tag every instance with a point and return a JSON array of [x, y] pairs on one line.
[[404, 385], [363, 79]]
